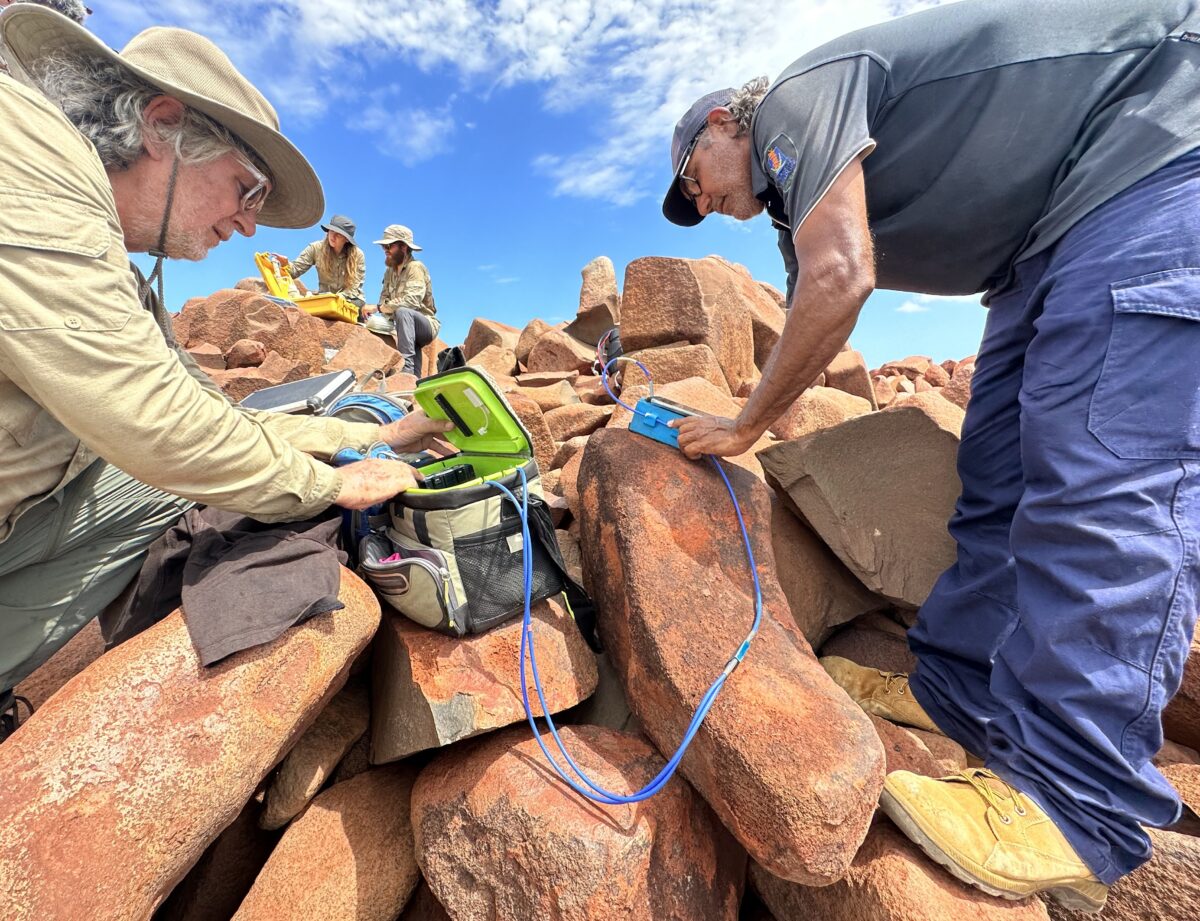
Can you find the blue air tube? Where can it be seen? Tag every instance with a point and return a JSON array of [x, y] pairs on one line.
[[595, 792]]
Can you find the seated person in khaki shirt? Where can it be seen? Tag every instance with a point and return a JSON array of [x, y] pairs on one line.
[[406, 298], [341, 266], [108, 432]]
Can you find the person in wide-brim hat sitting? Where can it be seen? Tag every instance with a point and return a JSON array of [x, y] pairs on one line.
[[341, 265], [406, 313], [108, 430]]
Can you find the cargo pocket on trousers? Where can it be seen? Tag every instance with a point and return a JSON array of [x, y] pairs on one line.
[[1147, 401]]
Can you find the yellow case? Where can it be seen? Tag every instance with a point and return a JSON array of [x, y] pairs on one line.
[[328, 307], [279, 283]]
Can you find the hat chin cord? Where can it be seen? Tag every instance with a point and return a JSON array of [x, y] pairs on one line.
[[159, 252]]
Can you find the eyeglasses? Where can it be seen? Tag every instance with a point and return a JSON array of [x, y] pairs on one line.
[[687, 185], [255, 197]]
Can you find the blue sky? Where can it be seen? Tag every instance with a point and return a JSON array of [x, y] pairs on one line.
[[519, 138]]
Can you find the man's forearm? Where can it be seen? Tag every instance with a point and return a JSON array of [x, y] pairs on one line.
[[835, 273], [822, 315]]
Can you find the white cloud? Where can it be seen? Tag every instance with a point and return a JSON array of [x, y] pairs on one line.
[[912, 307], [948, 299], [406, 133], [634, 65]]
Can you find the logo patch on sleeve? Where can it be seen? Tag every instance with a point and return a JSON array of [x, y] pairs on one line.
[[779, 160]]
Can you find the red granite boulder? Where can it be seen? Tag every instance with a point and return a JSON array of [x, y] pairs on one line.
[[1181, 719], [499, 362], [916, 750], [245, 353], [891, 880], [423, 906], [349, 856], [591, 390], [1185, 778], [553, 396], [239, 383], [700, 301], [848, 373], [547, 378], [207, 356], [677, 364], [1165, 888], [216, 885], [818, 408], [912, 367], [567, 422], [429, 689], [886, 522], [567, 450], [310, 763], [556, 350], [885, 390], [533, 331], [228, 315], [874, 640], [499, 836], [599, 302], [822, 593], [116, 786], [400, 382], [1174, 753], [789, 764], [531, 416], [429, 357], [698, 394], [936, 376], [958, 391], [363, 353], [489, 332]]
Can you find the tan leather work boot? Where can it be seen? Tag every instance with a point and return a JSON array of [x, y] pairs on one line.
[[884, 694], [991, 836]]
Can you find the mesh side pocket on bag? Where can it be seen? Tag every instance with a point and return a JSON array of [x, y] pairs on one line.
[[490, 565]]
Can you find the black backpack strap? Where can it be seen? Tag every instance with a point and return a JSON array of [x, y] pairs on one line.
[[583, 610]]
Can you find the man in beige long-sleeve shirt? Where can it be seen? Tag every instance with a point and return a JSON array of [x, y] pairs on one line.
[[407, 296], [107, 431]]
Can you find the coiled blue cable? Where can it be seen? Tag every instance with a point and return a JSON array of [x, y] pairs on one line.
[[593, 791]]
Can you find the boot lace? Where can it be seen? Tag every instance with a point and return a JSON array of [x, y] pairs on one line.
[[895, 683], [998, 794]]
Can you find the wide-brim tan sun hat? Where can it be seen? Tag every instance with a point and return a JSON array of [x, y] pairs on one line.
[[190, 68], [397, 233]]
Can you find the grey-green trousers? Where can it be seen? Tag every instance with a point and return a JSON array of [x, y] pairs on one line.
[[69, 556]]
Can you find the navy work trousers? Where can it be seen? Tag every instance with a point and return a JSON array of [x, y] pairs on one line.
[[1053, 643]]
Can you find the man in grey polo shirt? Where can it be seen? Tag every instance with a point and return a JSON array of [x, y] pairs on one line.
[[1044, 153]]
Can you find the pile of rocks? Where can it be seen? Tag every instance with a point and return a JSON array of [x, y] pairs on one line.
[[310, 779], [246, 341]]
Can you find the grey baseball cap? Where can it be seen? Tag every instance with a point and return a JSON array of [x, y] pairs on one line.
[[339, 223], [676, 208]]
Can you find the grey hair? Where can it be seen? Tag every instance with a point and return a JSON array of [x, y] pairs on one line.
[[107, 103], [745, 100], [73, 9]]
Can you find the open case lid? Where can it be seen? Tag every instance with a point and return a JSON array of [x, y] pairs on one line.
[[270, 272], [484, 423]]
